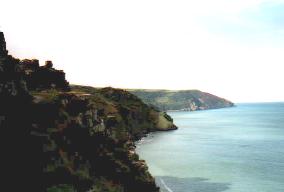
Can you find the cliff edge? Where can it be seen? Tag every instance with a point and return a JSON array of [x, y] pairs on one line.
[[59, 138]]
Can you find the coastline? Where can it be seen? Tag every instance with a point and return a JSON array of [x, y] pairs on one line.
[[248, 135], [188, 110]]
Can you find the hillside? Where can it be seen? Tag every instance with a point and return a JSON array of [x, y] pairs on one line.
[[58, 138], [129, 108], [189, 100]]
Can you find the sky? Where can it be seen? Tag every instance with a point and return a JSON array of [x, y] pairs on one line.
[[231, 48]]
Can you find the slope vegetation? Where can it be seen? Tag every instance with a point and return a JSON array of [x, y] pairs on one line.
[[189, 100]]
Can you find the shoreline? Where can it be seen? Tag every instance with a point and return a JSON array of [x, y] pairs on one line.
[[183, 110]]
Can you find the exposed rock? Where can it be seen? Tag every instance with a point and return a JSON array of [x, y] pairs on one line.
[[43, 77], [3, 51], [29, 66], [128, 111], [48, 64]]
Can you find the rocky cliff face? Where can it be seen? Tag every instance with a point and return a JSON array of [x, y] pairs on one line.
[[56, 139], [127, 110], [43, 77], [3, 50]]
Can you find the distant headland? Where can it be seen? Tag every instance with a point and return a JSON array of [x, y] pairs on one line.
[[181, 100]]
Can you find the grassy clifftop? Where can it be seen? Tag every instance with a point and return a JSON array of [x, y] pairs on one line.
[[190, 100]]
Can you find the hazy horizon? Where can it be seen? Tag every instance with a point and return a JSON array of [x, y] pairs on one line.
[[232, 49]]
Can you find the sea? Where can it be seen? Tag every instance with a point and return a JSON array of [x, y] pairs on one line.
[[237, 149]]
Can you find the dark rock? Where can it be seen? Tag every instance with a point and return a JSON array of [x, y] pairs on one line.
[[29, 66], [3, 51], [48, 64], [43, 77]]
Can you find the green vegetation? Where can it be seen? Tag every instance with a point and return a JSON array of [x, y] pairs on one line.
[[189, 100], [128, 112]]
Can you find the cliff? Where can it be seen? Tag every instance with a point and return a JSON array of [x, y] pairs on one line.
[[188, 100], [134, 114], [56, 138]]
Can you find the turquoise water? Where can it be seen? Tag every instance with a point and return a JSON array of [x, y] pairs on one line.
[[238, 149]]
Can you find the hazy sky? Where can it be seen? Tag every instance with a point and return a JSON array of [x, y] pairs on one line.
[[231, 48]]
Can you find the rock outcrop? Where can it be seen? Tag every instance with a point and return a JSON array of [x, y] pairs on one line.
[[3, 50], [43, 77]]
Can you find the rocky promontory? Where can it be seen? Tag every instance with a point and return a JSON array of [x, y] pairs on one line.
[[56, 137]]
